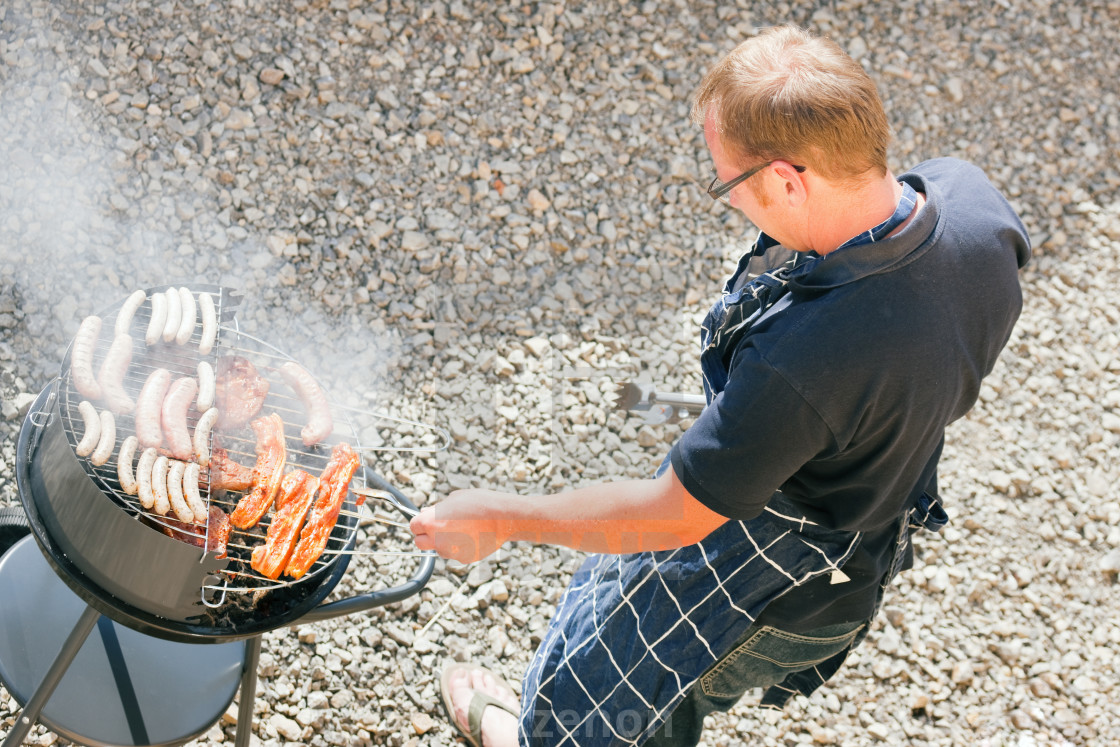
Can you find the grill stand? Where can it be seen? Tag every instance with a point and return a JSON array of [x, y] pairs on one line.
[[97, 683], [34, 708]]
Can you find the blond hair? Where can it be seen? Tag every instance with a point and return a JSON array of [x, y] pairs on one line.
[[786, 94]]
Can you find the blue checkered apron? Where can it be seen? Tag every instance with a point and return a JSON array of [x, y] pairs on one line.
[[634, 632]]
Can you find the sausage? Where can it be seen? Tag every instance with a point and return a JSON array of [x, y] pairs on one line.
[[173, 417], [159, 485], [174, 314], [178, 501], [111, 376], [209, 323], [81, 358], [157, 320], [149, 406], [128, 310], [144, 477], [194, 498], [206, 387], [202, 435], [319, 422], [189, 312], [125, 475], [106, 441], [92, 433]]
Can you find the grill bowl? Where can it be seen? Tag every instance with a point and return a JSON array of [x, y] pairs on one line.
[[138, 576]]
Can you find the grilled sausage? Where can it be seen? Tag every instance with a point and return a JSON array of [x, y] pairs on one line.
[[111, 376], [173, 417], [125, 475], [189, 314], [81, 358], [92, 433], [191, 493], [149, 407], [209, 323], [128, 310], [183, 512], [158, 319], [319, 423], [202, 435], [144, 478], [174, 314], [106, 441], [159, 485], [206, 387]]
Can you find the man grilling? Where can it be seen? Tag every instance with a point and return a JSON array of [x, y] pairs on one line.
[[758, 555]]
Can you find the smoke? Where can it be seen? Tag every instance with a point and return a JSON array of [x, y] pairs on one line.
[[98, 199]]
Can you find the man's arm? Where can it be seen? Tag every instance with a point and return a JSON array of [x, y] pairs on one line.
[[613, 517]]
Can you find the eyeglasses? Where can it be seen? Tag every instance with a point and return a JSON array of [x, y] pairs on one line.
[[718, 190]]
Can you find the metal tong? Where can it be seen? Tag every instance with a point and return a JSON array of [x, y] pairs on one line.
[[658, 407]]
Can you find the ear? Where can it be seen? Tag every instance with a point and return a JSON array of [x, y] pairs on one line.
[[795, 186]]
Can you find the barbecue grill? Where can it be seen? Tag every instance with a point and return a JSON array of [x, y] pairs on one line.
[[115, 555]]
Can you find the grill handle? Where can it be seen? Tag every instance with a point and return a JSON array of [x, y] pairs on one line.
[[372, 599]]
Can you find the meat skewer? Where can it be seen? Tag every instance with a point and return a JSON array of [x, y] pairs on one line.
[[333, 486], [272, 455]]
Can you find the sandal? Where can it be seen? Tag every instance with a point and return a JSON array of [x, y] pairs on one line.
[[480, 701]]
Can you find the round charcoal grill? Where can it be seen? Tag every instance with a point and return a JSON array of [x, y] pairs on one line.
[[116, 556]]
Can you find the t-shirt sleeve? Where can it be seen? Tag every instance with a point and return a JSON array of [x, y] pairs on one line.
[[749, 441]]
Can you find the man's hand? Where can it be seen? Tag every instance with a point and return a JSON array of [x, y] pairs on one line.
[[465, 526]]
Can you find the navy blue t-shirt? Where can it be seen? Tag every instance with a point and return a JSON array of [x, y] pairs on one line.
[[841, 399]]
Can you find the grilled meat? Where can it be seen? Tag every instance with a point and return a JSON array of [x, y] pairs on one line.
[[333, 486], [296, 493], [272, 455], [239, 392]]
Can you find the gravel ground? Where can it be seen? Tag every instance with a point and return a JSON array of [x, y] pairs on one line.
[[436, 206]]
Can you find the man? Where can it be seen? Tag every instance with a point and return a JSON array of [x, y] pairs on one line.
[[759, 554]]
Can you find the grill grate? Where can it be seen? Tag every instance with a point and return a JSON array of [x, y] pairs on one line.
[[182, 360]]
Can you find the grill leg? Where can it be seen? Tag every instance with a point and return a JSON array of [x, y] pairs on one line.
[[39, 698], [248, 692]]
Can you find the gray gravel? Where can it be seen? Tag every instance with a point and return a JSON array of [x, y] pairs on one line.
[[437, 206]]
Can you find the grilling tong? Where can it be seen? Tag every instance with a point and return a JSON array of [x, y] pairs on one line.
[[658, 407]]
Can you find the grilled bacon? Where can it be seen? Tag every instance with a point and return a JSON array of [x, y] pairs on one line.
[[272, 454], [333, 485], [296, 493]]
